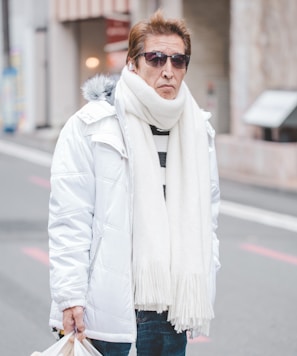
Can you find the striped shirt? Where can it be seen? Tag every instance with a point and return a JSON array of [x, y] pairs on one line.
[[161, 141]]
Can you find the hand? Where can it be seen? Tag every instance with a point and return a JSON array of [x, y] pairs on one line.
[[73, 319]]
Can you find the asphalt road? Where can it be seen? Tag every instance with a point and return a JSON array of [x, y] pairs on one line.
[[255, 308]]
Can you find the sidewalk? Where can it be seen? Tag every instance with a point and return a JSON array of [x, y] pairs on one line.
[[42, 139]]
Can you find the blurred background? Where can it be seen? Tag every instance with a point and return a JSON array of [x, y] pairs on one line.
[[242, 70]]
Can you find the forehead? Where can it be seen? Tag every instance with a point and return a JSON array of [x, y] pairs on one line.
[[164, 43]]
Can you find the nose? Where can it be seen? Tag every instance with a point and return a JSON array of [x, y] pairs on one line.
[[167, 71]]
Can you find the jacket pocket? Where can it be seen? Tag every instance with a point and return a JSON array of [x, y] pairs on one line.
[[111, 140], [110, 158]]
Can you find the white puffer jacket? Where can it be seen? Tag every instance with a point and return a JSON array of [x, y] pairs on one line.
[[90, 215]]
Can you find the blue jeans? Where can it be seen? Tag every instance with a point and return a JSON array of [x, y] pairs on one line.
[[112, 348], [155, 337]]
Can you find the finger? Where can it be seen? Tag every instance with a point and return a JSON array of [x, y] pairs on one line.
[[80, 336], [78, 315], [68, 321]]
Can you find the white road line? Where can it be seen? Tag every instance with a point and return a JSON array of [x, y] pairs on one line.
[[28, 154], [236, 210], [261, 216]]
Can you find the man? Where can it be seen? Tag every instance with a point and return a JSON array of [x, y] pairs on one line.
[[134, 205]]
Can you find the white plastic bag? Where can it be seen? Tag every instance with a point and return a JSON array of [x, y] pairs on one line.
[[66, 347], [90, 348]]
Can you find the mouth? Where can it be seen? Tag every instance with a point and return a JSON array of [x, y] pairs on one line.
[[166, 86]]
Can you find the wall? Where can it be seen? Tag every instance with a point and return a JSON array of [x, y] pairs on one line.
[[208, 75], [263, 53], [64, 90]]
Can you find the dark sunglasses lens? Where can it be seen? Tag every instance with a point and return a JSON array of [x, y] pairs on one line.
[[179, 61], [155, 59], [158, 59]]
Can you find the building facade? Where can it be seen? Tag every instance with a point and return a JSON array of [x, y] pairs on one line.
[[263, 53]]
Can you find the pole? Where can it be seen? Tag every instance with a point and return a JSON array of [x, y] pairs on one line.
[[6, 34]]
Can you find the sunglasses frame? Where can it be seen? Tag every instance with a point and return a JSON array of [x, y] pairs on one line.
[[161, 56]]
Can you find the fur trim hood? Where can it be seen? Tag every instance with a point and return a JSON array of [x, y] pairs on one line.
[[100, 87]]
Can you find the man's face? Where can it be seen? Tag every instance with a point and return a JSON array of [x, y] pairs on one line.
[[166, 79]]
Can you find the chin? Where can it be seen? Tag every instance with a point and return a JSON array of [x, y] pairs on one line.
[[166, 95]]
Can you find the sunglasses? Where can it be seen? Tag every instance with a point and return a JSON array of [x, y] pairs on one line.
[[158, 59]]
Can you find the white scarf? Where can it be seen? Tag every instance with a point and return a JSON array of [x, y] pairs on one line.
[[172, 239]]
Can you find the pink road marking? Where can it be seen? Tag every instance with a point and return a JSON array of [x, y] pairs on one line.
[[270, 253], [199, 339], [37, 254], [45, 183]]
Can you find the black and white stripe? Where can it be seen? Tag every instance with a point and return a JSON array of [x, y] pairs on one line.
[[161, 142]]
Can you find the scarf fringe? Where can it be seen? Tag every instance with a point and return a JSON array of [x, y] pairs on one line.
[[192, 308], [153, 288]]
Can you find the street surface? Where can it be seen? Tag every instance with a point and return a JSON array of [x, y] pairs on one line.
[[256, 312]]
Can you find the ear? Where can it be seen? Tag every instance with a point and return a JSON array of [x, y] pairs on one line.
[[131, 66]]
